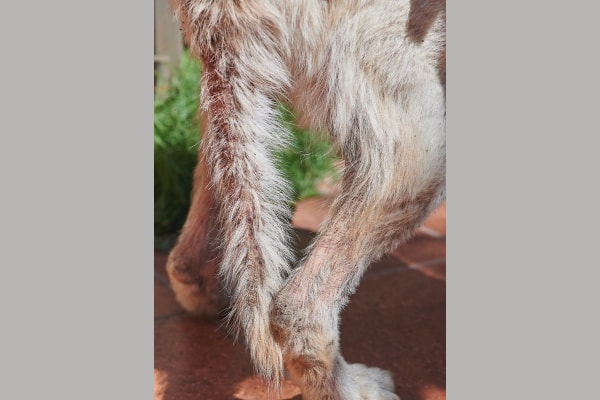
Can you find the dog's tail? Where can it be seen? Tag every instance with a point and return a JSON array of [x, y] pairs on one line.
[[243, 75], [254, 215]]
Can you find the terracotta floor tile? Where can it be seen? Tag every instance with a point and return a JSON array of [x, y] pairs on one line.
[[309, 213], [435, 271], [435, 224], [194, 360], [396, 321], [164, 301], [421, 249], [254, 388], [160, 262], [388, 264]]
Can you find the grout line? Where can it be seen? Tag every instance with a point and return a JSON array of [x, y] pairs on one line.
[[427, 263], [387, 271], [404, 267], [412, 264], [162, 280], [162, 318], [430, 232]]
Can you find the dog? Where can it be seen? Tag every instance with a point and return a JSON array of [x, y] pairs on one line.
[[369, 73]]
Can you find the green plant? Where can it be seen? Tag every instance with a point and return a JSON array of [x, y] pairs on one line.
[[176, 140], [308, 159]]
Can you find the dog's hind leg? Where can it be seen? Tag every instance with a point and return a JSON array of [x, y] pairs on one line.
[[192, 263], [394, 152], [305, 315]]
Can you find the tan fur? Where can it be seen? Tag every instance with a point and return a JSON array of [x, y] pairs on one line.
[[372, 75], [196, 288]]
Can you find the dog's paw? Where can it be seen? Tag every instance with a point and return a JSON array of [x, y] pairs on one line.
[[360, 382], [198, 293], [349, 382]]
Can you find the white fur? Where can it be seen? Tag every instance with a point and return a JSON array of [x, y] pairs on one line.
[[350, 69]]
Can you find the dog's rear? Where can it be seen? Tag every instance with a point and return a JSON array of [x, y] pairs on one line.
[[371, 75]]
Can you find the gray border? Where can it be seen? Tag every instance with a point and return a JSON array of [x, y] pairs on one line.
[[76, 169], [77, 219], [522, 201]]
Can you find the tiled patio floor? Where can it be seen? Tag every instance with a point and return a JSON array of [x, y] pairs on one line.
[[396, 321]]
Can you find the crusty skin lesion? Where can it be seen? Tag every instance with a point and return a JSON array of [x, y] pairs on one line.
[[372, 76]]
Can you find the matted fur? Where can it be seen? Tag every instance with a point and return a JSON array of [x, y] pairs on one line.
[[372, 75]]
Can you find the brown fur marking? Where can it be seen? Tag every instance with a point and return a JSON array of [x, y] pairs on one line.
[[421, 17]]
